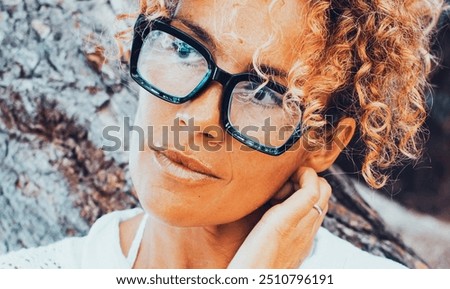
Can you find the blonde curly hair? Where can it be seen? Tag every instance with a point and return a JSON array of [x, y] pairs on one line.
[[373, 56]]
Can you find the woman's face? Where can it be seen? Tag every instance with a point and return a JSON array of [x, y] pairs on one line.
[[208, 178]]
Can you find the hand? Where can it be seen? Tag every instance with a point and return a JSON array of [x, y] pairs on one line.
[[284, 236]]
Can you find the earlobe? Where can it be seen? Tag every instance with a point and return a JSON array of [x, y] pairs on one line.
[[323, 158]]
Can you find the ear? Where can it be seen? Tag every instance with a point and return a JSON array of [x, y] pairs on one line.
[[322, 159]]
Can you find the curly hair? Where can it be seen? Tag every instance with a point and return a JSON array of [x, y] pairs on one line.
[[373, 56]]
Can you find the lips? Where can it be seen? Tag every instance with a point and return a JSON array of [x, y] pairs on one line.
[[182, 167], [189, 163]]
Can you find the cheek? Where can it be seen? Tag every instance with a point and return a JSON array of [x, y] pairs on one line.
[[257, 177], [151, 117], [154, 120], [153, 112]]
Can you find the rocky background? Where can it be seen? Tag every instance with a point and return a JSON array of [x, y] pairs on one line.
[[60, 86]]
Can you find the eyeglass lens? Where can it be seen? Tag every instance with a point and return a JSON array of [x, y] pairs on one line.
[[176, 68], [170, 64]]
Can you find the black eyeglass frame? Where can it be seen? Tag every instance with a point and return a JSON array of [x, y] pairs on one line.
[[143, 27]]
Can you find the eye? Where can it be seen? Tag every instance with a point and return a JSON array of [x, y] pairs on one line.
[[171, 47], [183, 49], [263, 96]]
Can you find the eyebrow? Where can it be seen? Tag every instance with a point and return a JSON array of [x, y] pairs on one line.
[[267, 69], [206, 37], [197, 30]]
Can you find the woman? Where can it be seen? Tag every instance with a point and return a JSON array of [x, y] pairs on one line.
[[247, 101]]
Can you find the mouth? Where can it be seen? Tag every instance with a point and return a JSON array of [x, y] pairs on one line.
[[183, 167]]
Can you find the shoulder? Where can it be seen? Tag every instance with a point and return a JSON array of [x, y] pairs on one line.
[[103, 244], [99, 249], [331, 252]]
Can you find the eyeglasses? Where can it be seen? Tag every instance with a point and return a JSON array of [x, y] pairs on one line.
[[175, 67]]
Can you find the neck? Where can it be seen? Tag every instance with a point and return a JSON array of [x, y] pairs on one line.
[[166, 246]]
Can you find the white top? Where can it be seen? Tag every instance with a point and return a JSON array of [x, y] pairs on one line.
[[101, 249]]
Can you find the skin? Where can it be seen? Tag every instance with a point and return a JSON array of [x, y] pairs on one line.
[[221, 222]]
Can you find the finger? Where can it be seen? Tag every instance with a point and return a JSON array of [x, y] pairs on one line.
[[319, 218], [325, 193], [309, 184], [309, 225], [295, 178], [322, 203], [316, 216], [301, 202], [312, 221]]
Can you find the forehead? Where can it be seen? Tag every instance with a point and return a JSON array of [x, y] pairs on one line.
[[239, 28]]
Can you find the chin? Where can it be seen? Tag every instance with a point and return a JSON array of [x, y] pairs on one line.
[[177, 218], [168, 208], [179, 213]]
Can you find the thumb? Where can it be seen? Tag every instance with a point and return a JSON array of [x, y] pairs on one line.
[[297, 175]]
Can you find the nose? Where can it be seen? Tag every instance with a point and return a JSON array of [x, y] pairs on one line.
[[201, 115]]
